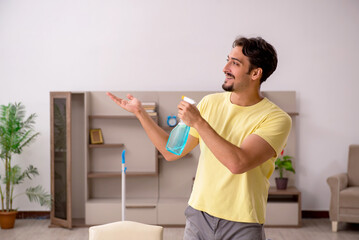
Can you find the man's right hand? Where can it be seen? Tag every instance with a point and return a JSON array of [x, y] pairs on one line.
[[132, 105]]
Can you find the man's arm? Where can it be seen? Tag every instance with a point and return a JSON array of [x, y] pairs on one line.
[[157, 135], [253, 151]]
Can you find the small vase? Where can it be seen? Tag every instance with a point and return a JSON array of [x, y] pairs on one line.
[[7, 219], [281, 183]]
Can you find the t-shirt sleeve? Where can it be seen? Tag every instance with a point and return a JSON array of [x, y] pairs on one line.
[[193, 132], [275, 130]]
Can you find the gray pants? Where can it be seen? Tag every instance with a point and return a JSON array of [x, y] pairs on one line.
[[202, 226]]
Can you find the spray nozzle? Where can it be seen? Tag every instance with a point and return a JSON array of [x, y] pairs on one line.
[[187, 99]]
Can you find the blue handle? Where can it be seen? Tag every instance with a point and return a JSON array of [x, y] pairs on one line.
[[123, 156]]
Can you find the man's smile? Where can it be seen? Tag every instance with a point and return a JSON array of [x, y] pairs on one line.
[[229, 76]]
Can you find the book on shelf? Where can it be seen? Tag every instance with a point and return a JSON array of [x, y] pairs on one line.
[[149, 105], [152, 114], [150, 108]]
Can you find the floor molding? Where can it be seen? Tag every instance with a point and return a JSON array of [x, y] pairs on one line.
[[46, 214], [33, 214], [315, 214]]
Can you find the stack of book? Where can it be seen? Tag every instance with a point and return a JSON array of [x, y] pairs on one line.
[[150, 108]]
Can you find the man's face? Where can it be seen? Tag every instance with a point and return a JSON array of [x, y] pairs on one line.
[[236, 71]]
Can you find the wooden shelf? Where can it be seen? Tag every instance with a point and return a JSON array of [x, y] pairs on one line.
[[118, 174], [108, 145], [115, 116], [111, 116], [288, 191]]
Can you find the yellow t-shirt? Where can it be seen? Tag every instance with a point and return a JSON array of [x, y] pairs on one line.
[[217, 191]]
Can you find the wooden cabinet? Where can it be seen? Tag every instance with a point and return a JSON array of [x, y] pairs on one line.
[[67, 158], [86, 178], [284, 208]]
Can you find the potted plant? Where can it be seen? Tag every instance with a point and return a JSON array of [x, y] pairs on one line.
[[16, 132], [283, 163]]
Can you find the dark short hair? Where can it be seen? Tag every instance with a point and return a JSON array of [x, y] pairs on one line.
[[260, 54]]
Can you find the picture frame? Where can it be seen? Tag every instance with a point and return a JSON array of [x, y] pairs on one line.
[[96, 136]]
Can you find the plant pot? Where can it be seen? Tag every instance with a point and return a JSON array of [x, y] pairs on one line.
[[281, 183], [7, 219]]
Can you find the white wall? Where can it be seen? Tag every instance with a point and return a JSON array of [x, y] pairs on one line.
[[164, 45]]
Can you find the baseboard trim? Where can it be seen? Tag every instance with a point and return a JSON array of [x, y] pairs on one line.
[[33, 215], [46, 214], [315, 214]]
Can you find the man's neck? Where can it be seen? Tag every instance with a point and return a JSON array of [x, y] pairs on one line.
[[246, 99]]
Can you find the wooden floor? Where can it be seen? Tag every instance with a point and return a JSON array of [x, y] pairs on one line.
[[312, 229]]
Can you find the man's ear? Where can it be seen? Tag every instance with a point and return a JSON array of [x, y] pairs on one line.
[[257, 73]]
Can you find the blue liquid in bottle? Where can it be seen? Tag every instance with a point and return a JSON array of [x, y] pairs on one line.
[[178, 138], [179, 135]]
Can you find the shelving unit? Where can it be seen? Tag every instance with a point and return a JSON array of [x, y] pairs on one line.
[[121, 130], [157, 191]]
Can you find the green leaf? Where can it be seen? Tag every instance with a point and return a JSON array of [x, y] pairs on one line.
[[15, 175], [38, 194], [284, 163]]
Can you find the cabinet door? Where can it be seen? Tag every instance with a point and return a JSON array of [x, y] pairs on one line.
[[60, 111]]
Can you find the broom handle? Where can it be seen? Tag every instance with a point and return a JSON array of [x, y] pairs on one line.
[[123, 185]]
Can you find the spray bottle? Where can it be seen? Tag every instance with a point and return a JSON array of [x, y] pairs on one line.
[[179, 135]]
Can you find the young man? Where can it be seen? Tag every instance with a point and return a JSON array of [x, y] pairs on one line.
[[240, 133]]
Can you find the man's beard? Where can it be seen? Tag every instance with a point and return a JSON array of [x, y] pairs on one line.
[[227, 88]]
